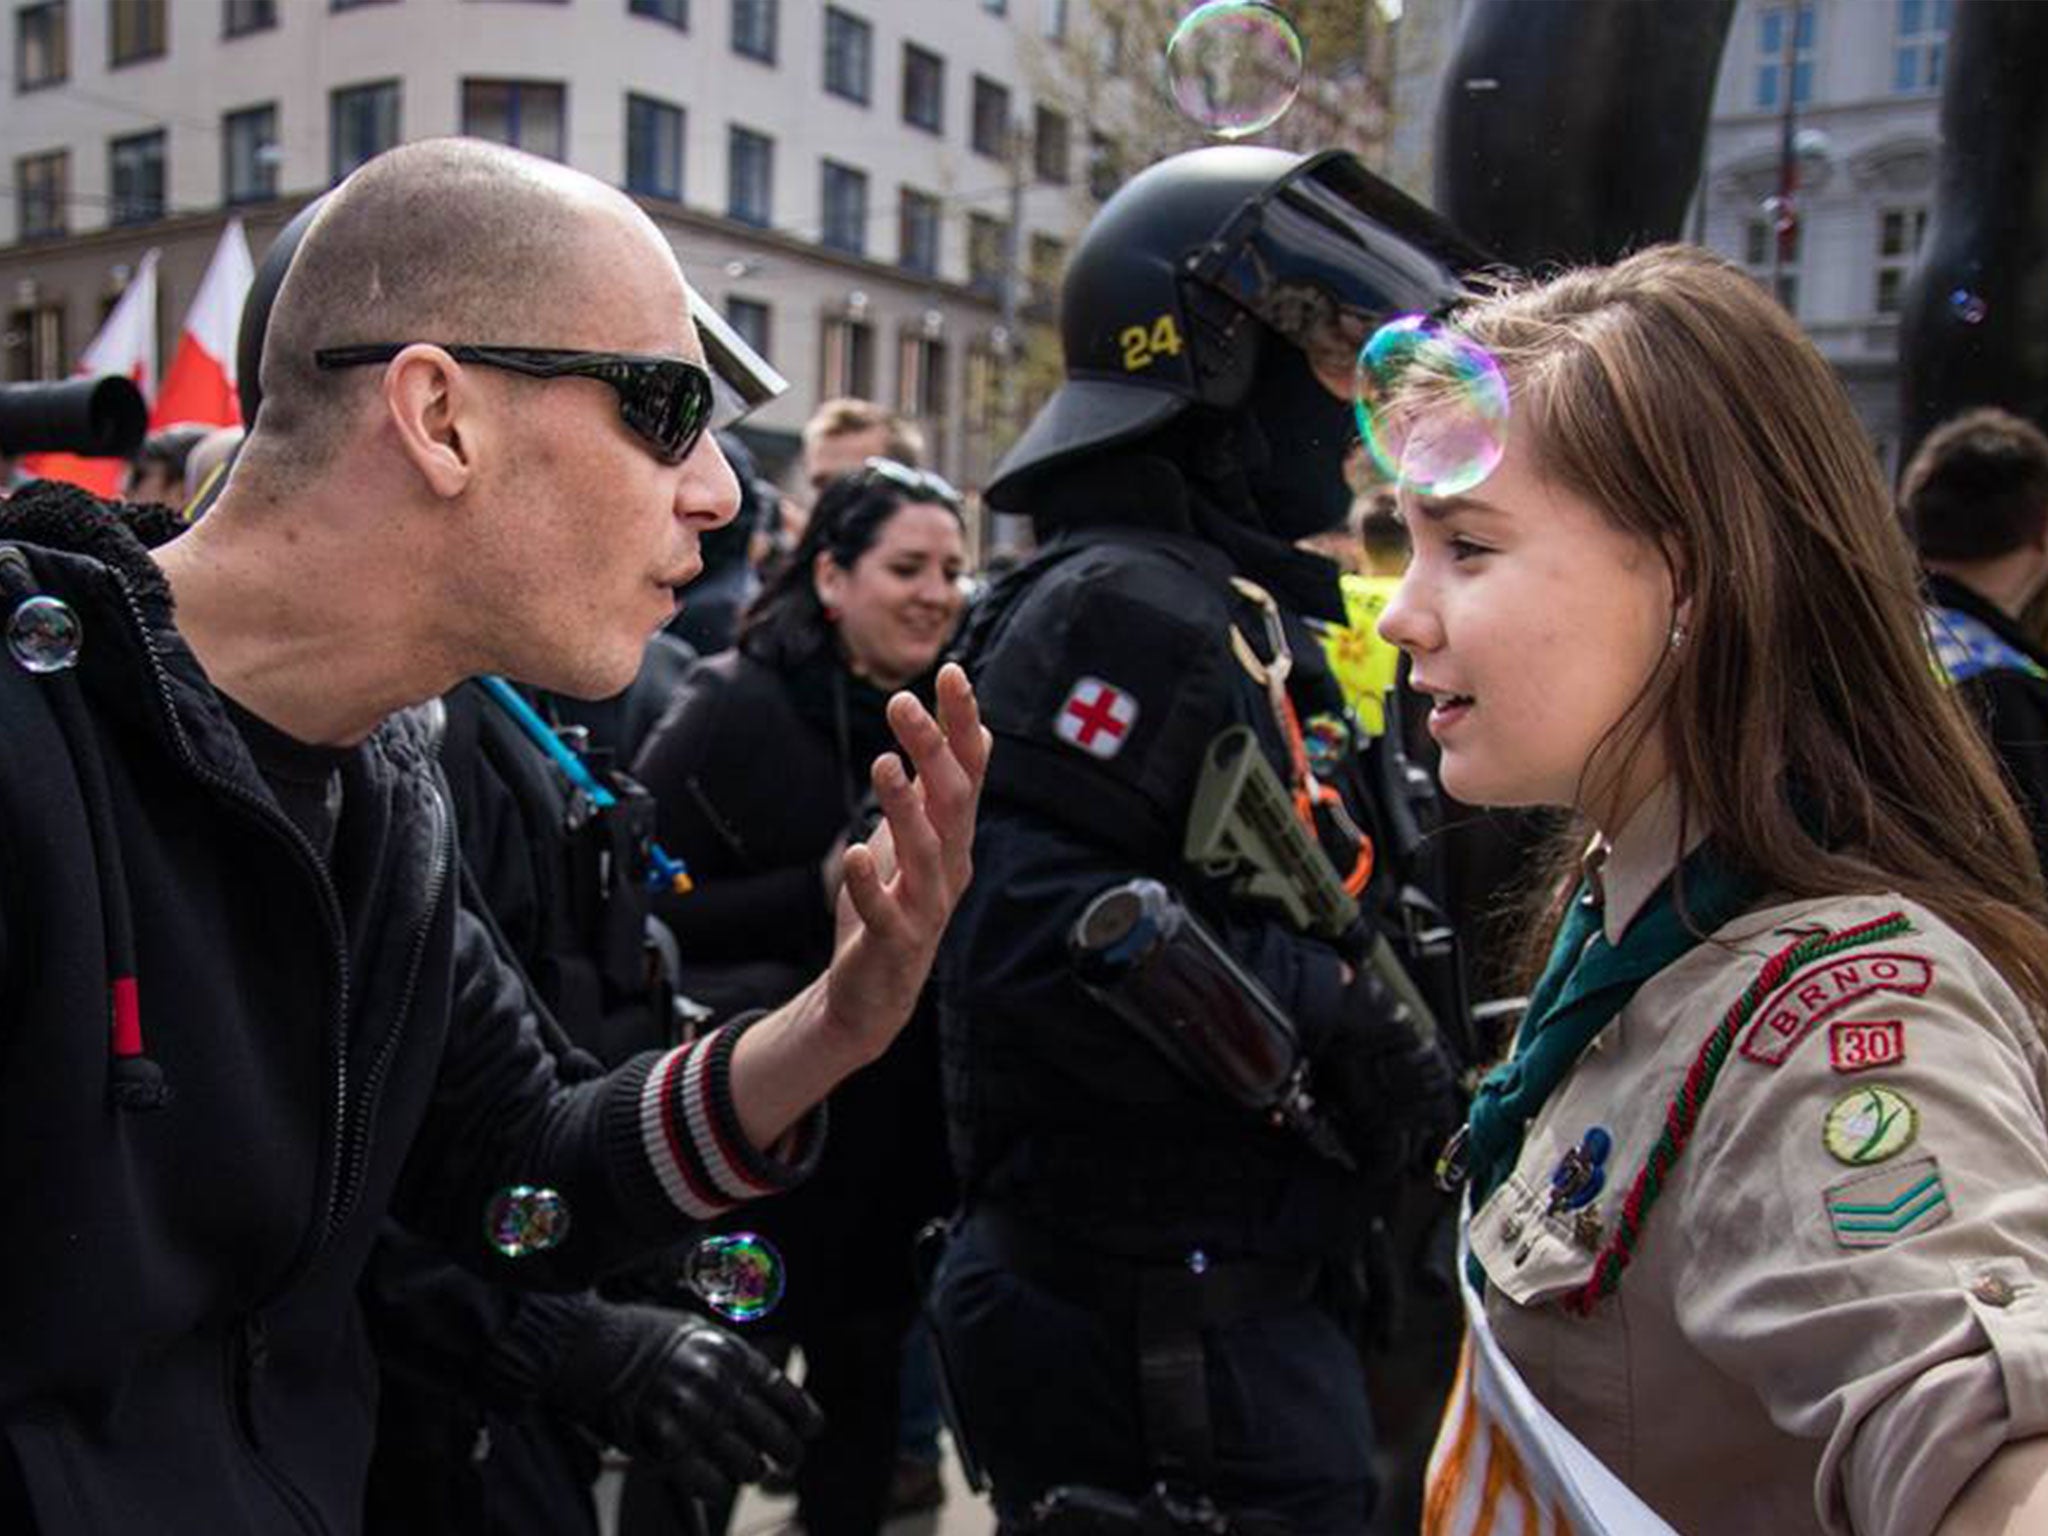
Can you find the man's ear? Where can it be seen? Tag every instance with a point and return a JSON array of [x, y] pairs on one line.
[[432, 405]]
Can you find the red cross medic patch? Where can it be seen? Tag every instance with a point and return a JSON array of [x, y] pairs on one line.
[[1817, 995], [1097, 717]]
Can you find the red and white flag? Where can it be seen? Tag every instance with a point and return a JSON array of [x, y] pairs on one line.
[[125, 345], [200, 384]]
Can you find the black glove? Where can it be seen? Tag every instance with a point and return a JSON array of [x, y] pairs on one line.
[[1388, 1083], [670, 1388]]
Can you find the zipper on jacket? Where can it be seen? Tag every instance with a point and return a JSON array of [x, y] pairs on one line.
[[246, 1351], [355, 1148], [330, 903]]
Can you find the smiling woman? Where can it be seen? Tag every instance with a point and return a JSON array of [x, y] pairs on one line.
[[1681, 607], [759, 769]]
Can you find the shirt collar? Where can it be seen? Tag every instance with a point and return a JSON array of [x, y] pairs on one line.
[[1638, 858]]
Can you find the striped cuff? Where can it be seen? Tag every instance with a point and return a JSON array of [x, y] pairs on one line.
[[691, 1132]]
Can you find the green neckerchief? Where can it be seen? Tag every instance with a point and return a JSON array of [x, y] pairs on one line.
[[1585, 983]]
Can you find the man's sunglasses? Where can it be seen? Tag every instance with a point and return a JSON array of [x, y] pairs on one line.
[[920, 484], [665, 400]]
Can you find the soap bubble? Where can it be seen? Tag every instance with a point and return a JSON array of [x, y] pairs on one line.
[[524, 1219], [1432, 406], [736, 1274], [43, 634], [1234, 66]]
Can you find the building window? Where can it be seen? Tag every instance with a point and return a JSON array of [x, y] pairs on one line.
[[135, 30], [753, 29], [135, 170], [750, 176], [921, 381], [984, 364], [1051, 146], [1105, 166], [42, 45], [1770, 53], [35, 344], [752, 319], [350, 5], [42, 194], [527, 114], [1923, 39], [996, 7], [917, 232], [849, 54], [1759, 239], [846, 357], [987, 239], [1899, 232], [845, 209], [362, 122], [1048, 264], [924, 88], [991, 118], [654, 148], [1055, 20], [249, 155], [1109, 56], [675, 12], [243, 16]]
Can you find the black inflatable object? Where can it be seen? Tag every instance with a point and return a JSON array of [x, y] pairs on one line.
[[1571, 130], [102, 418], [1974, 323]]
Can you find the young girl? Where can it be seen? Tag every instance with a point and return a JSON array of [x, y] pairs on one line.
[[1759, 1204]]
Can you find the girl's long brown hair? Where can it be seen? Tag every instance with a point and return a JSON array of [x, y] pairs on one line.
[[1808, 729]]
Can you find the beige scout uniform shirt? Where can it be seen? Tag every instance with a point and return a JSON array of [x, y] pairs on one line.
[[1837, 1310]]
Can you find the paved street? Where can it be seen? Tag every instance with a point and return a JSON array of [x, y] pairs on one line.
[[963, 1514]]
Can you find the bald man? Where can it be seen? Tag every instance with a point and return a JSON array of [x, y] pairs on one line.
[[244, 1011]]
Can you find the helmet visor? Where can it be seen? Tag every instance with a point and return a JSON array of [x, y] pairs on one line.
[[1330, 252], [741, 378]]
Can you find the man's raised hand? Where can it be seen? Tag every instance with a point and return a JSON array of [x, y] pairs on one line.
[[900, 887]]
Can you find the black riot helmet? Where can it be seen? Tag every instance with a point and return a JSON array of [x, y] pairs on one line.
[[1182, 276], [257, 306]]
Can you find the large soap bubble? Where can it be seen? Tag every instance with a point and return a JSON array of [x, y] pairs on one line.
[[1234, 66], [736, 1274], [1432, 406]]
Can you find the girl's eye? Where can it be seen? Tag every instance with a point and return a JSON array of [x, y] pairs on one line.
[[1462, 548]]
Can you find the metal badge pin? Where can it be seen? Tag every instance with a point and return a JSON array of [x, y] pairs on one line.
[[1581, 1173]]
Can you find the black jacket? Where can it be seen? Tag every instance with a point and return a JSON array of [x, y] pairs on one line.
[[755, 781], [1056, 1108], [2012, 701], [182, 1349]]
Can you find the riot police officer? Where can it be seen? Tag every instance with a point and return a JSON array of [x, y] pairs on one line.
[[1152, 1284]]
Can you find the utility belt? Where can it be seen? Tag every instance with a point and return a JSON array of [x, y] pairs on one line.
[[1168, 1305]]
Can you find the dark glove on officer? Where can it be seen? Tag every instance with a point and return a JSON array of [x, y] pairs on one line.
[[1388, 1083], [674, 1389]]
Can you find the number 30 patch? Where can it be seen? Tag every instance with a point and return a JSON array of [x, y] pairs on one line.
[[1855, 1046], [1143, 343]]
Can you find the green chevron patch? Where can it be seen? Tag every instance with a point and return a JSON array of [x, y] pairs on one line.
[[1878, 1208]]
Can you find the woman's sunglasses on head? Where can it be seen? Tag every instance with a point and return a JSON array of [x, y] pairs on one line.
[[919, 484]]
